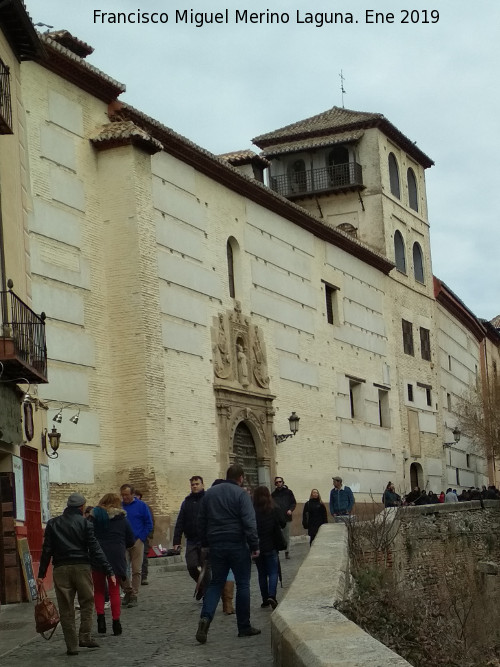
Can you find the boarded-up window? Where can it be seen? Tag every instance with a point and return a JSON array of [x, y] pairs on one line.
[[407, 337], [425, 343], [414, 433]]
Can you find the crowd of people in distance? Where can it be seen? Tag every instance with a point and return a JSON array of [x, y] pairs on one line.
[[423, 497]]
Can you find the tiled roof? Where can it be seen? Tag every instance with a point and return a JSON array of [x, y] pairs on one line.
[[333, 122], [66, 63], [124, 133], [75, 45], [328, 120], [496, 322], [313, 142], [238, 158]]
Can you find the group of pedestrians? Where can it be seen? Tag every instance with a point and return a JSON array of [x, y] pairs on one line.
[[89, 558], [225, 528]]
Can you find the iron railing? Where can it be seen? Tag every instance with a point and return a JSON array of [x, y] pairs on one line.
[[5, 100], [26, 330], [336, 177]]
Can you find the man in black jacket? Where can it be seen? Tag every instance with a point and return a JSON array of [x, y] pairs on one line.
[[187, 523], [70, 542], [284, 498], [227, 526]]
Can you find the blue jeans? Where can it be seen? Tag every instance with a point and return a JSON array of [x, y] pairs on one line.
[[267, 567], [223, 558]]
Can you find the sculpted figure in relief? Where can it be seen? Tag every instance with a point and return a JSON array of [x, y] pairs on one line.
[[242, 365], [260, 362], [222, 361]]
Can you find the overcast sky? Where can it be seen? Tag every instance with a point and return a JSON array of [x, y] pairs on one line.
[[437, 82]]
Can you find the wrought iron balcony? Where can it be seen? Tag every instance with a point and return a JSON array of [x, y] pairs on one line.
[[339, 177], [23, 353]]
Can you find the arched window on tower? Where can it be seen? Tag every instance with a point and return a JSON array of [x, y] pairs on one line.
[[232, 252], [399, 251], [412, 190], [298, 176], [418, 263], [394, 176], [338, 165]]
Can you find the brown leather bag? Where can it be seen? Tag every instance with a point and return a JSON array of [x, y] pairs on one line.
[[46, 614]]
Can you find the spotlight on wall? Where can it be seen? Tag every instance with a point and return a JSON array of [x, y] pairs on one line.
[[54, 440], [293, 420], [58, 417], [74, 419]]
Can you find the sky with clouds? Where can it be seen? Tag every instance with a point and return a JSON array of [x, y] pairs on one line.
[[434, 76]]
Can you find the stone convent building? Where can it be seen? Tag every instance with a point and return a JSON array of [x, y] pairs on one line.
[[194, 302]]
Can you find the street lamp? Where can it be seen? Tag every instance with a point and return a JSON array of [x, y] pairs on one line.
[[293, 420], [456, 437], [54, 440]]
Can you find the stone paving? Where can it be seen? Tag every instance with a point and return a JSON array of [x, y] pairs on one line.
[[161, 630]]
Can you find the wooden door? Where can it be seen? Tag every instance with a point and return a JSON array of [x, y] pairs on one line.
[[10, 581], [29, 457]]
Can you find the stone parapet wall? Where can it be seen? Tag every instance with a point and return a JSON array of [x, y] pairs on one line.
[[307, 630]]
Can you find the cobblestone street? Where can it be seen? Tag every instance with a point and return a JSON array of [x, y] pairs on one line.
[[161, 631]]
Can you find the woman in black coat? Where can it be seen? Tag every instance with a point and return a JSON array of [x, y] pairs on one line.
[[314, 515], [114, 534], [270, 521]]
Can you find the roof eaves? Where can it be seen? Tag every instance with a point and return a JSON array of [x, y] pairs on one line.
[[221, 171], [75, 69], [454, 305], [19, 31]]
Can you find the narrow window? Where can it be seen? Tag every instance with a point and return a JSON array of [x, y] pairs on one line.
[[428, 396], [449, 362], [331, 302], [428, 392], [5, 100], [399, 251], [418, 263], [355, 399], [394, 176], [412, 190], [230, 269], [458, 476], [425, 343], [407, 337], [467, 456], [383, 408], [448, 402], [410, 392]]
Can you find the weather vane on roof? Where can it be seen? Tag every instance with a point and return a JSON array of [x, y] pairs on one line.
[[342, 89]]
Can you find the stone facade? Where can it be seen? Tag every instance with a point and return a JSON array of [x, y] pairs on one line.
[[188, 306]]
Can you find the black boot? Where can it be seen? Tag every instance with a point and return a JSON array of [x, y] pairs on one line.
[[101, 624], [117, 627]]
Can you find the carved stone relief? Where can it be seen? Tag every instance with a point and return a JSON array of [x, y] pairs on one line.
[[241, 385], [239, 354]]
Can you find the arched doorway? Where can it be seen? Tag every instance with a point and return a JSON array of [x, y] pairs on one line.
[[416, 476], [246, 455], [338, 165]]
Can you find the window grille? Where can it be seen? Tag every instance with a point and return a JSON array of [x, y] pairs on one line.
[[5, 100]]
